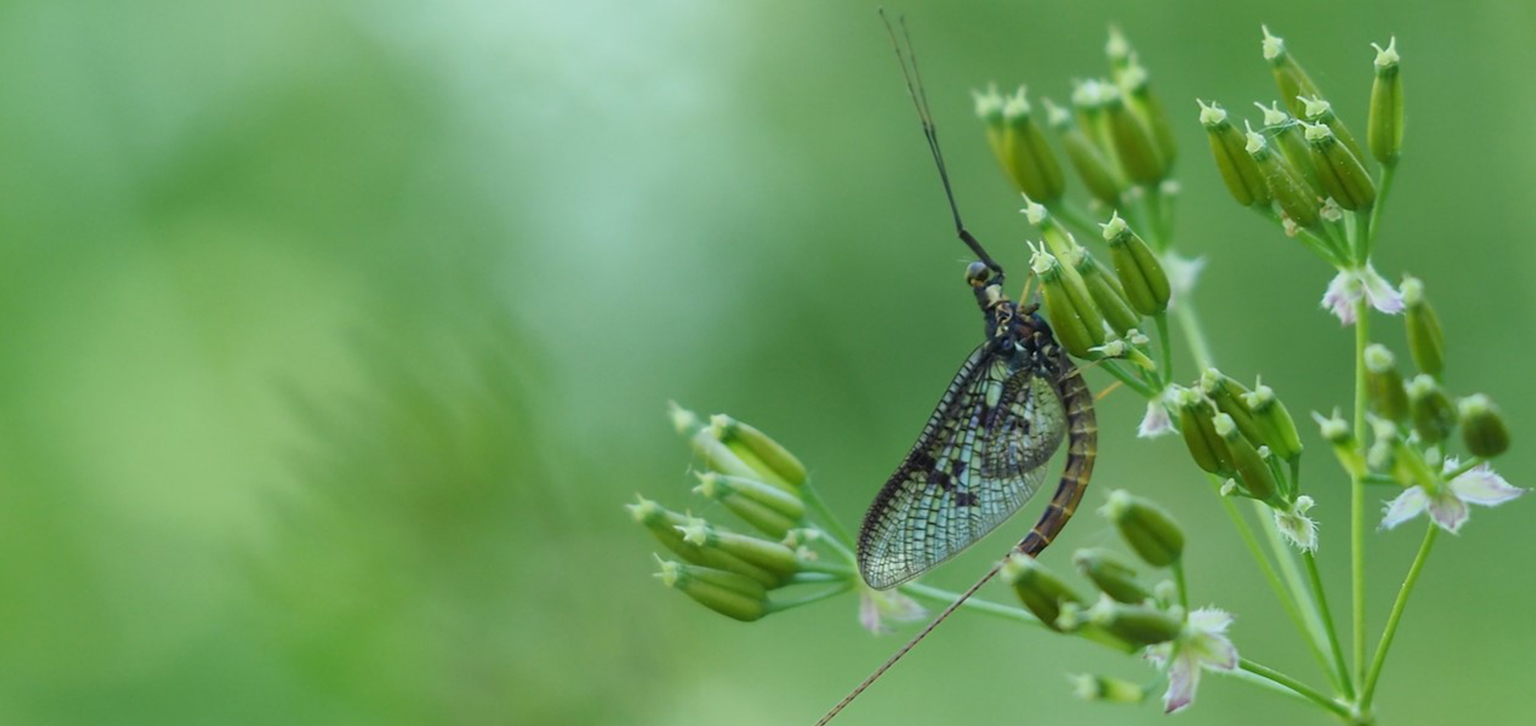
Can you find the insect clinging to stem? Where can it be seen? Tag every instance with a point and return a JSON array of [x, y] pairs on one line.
[[985, 449]]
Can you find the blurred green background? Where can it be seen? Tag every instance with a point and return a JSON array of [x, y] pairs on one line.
[[337, 332]]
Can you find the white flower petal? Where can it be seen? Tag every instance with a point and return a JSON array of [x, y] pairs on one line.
[[1183, 679], [876, 608], [1182, 271], [1405, 507], [1215, 653], [1379, 292], [1298, 528], [869, 614], [1447, 511], [1210, 621], [1482, 485], [1340, 298], [1156, 423]]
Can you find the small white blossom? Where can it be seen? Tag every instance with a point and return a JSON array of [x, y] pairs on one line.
[[1182, 273], [1448, 506], [1350, 285], [1157, 422], [1203, 644], [876, 607], [1297, 526]]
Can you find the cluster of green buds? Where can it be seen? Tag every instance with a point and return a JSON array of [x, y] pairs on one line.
[[1247, 439], [1121, 611], [1117, 135], [1126, 613], [1303, 166], [760, 482], [1098, 311], [1413, 421]]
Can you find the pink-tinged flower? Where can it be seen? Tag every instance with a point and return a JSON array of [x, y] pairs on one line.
[[1448, 506], [877, 607], [1350, 285], [1156, 422], [1203, 645]]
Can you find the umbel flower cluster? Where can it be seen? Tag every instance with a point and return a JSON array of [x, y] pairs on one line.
[[1295, 163]]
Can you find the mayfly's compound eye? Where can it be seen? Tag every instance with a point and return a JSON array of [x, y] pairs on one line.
[[978, 274]]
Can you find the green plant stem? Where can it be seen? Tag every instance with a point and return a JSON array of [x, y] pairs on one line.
[[1075, 218], [1165, 351], [775, 605], [1178, 580], [835, 525], [1384, 185], [975, 603], [1320, 596], [1194, 335], [1286, 600], [1286, 559], [1357, 494], [1368, 690], [1129, 380], [1293, 686]]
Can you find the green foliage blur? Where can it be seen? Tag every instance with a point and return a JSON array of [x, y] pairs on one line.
[[336, 333]]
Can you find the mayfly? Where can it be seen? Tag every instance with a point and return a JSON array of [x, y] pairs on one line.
[[984, 451]]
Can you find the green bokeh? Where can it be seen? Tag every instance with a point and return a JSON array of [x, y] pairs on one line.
[[336, 334]]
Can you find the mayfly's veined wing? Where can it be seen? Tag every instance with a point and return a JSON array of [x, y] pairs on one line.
[[980, 457]]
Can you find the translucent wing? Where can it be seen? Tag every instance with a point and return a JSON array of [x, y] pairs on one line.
[[979, 458]]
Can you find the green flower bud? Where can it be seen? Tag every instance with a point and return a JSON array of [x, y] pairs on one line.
[[1106, 294], [770, 509], [1096, 171], [1482, 428], [1137, 624], [1275, 423], [1041, 592], [1319, 111], [771, 556], [1345, 446], [1021, 147], [1425, 340], [1250, 467], [1118, 51], [1140, 274], [1289, 76], [1285, 183], [1146, 527], [1136, 86], [1238, 170], [1205, 446], [1133, 141], [1287, 135], [1384, 384], [1089, 101], [1228, 394], [1115, 578], [1340, 171], [1065, 248], [664, 525], [1384, 130], [1106, 689], [767, 457], [989, 108], [728, 593], [1433, 416], [1067, 322]]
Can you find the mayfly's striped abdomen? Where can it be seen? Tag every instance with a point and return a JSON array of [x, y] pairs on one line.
[[1082, 448]]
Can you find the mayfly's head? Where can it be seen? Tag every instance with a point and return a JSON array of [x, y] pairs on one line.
[[988, 286]]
